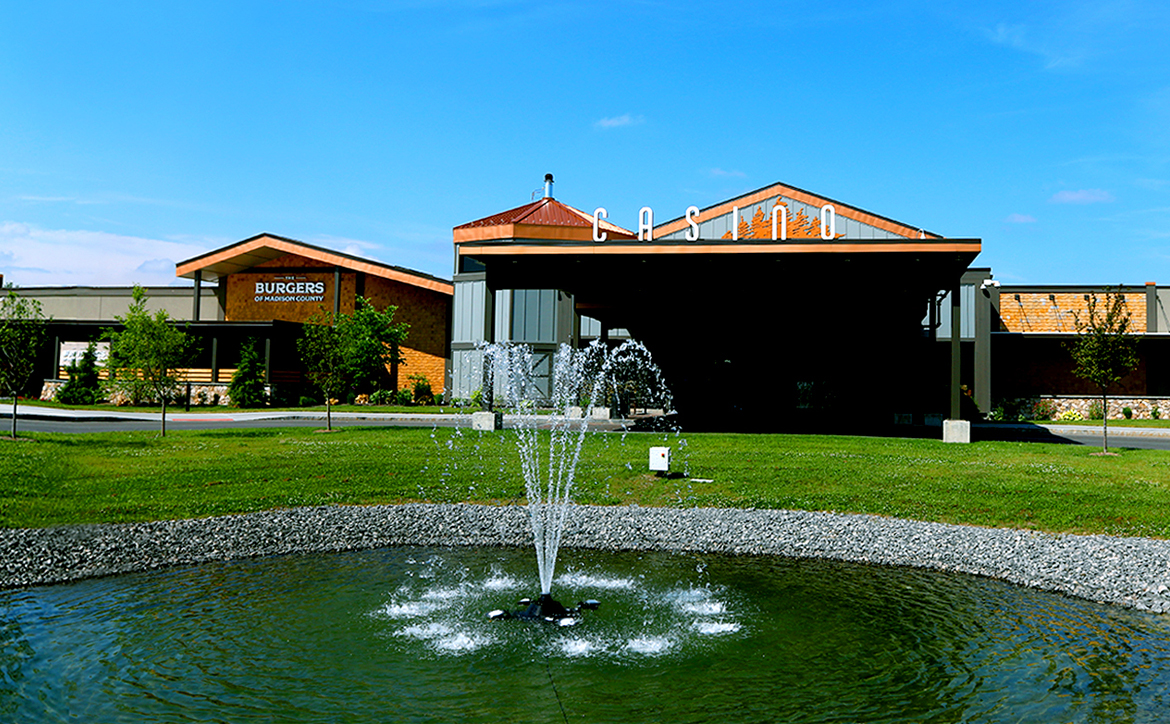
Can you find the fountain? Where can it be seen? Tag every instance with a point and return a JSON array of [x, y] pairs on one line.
[[580, 379]]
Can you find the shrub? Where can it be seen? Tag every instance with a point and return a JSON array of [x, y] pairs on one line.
[[1127, 412], [421, 390], [1043, 410], [1155, 413], [404, 396], [383, 397], [83, 386], [306, 401], [247, 387], [1069, 415], [1096, 411]]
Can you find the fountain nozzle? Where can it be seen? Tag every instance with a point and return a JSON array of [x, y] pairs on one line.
[[545, 608]]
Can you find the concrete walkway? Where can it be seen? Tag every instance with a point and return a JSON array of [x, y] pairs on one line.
[[1058, 429], [226, 414]]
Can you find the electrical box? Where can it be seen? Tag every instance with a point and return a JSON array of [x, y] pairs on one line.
[[660, 459]]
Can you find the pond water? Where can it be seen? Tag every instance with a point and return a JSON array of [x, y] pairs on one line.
[[401, 635]]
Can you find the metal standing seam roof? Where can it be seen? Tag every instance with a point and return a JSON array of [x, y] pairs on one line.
[[544, 212]]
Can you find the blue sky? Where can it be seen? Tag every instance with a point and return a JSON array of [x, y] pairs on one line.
[[135, 135]]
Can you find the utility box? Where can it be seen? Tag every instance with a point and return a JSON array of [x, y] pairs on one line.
[[660, 459]]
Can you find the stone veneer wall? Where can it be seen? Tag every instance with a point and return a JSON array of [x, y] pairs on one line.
[[51, 387], [1142, 406]]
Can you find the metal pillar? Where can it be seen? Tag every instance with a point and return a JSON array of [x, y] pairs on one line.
[[956, 352], [198, 292]]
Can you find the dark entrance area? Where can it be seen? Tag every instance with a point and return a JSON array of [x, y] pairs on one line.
[[755, 337]]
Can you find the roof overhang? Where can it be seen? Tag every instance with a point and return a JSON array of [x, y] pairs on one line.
[[257, 250]]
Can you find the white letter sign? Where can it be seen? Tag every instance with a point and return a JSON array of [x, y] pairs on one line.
[[783, 211], [598, 234], [829, 225], [646, 224], [693, 234]]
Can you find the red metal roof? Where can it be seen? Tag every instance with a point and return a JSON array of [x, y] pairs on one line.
[[546, 212]]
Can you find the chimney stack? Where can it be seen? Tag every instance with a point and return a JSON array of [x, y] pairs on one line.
[[548, 186]]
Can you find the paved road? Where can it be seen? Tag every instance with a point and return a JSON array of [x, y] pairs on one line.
[[48, 419]]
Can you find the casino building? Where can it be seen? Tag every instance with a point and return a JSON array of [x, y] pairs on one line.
[[778, 309]]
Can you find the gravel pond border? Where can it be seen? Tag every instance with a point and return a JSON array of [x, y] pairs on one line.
[[1129, 572]]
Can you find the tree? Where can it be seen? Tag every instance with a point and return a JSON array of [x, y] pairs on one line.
[[147, 353], [83, 386], [1104, 350], [375, 345], [350, 350], [22, 332], [323, 352], [247, 387]]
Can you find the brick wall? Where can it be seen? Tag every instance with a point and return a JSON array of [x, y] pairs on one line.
[[1054, 311]]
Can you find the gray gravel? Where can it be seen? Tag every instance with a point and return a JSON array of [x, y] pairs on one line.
[[1130, 572]]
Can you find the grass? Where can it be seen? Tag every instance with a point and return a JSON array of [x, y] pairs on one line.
[[59, 479]]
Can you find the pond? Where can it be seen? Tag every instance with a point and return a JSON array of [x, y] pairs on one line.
[[401, 635]]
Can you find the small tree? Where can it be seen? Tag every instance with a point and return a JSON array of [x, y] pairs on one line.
[[374, 341], [350, 350], [148, 352], [83, 386], [1104, 350], [324, 354], [22, 332], [247, 387]]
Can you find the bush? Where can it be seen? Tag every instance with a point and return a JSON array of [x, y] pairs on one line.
[[1096, 411], [383, 397], [307, 401], [1155, 413], [1127, 412], [421, 390], [404, 397], [83, 386], [247, 387], [1069, 415], [1043, 410]]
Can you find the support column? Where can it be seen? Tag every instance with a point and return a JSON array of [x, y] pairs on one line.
[[336, 293], [983, 304], [1151, 307], [956, 352], [215, 360], [268, 360], [198, 292], [954, 428], [488, 384]]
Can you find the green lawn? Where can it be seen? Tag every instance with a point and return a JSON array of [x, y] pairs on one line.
[[87, 478]]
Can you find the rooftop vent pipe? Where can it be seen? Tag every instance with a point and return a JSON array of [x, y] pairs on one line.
[[548, 186]]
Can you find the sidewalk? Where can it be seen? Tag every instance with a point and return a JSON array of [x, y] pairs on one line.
[[1057, 429], [177, 414]]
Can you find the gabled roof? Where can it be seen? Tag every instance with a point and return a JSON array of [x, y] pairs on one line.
[[262, 248], [545, 218], [781, 191]]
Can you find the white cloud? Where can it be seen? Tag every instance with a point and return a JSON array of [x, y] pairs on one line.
[[618, 121], [1053, 49], [32, 256], [720, 173], [1020, 219], [1082, 196]]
